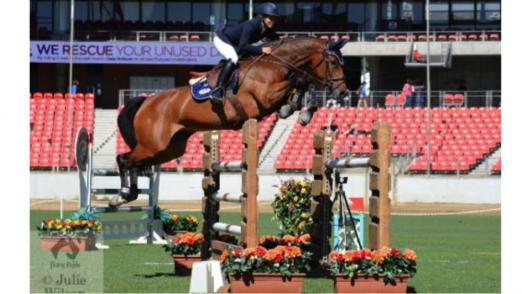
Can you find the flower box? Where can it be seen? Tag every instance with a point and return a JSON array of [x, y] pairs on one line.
[[64, 243], [183, 264], [386, 270], [266, 283], [370, 284], [185, 250]]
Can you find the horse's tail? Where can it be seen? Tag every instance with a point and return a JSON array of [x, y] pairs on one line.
[[126, 121]]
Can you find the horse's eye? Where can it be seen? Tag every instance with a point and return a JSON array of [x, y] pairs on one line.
[[333, 62]]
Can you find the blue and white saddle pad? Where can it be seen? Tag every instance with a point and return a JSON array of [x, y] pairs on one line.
[[201, 91]]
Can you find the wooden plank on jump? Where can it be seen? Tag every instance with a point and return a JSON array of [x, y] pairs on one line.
[[249, 209], [380, 180]]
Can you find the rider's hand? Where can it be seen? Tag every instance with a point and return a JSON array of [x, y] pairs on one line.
[[267, 50]]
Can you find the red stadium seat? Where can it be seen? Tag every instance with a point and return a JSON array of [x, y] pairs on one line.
[[448, 99], [390, 100], [459, 99], [401, 100]]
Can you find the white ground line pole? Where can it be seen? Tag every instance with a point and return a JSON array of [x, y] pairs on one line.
[[428, 84]]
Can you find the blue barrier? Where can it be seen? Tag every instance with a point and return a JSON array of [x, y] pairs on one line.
[[351, 243]]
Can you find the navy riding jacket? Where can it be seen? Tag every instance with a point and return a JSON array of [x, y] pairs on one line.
[[242, 35]]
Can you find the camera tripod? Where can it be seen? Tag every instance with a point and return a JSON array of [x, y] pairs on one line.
[[344, 207]]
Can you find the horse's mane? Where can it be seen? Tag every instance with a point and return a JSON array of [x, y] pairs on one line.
[[291, 40]]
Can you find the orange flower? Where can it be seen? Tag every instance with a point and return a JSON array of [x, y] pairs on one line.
[[304, 238], [380, 255], [351, 255], [296, 251], [248, 252], [410, 254], [224, 255], [290, 251], [289, 239], [198, 238], [272, 254]]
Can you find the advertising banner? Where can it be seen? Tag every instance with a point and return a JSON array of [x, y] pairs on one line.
[[193, 53]]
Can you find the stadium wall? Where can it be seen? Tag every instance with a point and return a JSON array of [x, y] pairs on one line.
[[174, 186]]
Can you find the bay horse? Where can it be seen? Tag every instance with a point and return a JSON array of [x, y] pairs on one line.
[[157, 128]]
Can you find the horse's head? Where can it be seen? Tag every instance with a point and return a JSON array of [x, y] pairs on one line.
[[328, 67]]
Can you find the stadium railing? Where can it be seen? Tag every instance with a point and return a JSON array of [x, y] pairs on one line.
[[206, 36], [486, 98]]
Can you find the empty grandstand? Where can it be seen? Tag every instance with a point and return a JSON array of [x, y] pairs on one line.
[[126, 49]]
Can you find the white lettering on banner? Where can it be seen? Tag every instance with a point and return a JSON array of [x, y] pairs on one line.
[[125, 52]]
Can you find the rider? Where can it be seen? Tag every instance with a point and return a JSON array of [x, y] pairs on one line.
[[236, 40]]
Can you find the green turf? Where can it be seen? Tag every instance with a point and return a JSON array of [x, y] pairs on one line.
[[456, 254]]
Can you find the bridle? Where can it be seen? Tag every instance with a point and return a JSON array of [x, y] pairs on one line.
[[327, 82]]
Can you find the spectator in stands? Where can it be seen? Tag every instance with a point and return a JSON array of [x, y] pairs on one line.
[[237, 40], [407, 91], [419, 88], [363, 95], [346, 99], [417, 57], [74, 87]]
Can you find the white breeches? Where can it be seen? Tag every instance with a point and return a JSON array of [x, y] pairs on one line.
[[225, 49]]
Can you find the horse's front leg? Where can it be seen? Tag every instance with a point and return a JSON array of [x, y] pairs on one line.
[[296, 100], [305, 117]]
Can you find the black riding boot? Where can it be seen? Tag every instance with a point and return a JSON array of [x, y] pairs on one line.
[[224, 75]]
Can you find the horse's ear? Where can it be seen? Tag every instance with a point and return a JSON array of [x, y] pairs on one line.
[[336, 45]]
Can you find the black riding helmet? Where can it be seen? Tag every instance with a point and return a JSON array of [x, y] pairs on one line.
[[267, 9]]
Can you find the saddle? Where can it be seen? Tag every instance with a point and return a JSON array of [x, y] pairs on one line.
[[209, 76], [202, 83]]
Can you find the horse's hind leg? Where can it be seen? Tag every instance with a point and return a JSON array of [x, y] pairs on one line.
[[129, 190]]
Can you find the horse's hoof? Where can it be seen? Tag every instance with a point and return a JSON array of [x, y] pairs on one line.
[[118, 200], [286, 111], [305, 117]]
